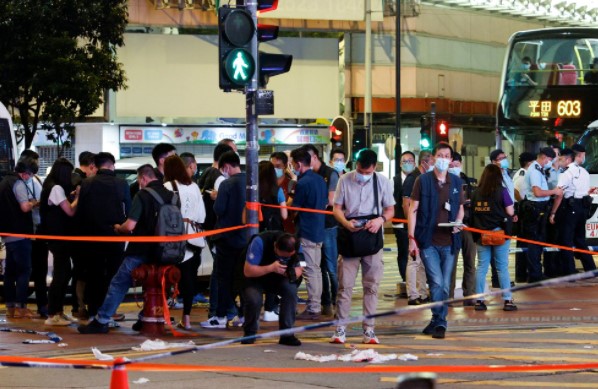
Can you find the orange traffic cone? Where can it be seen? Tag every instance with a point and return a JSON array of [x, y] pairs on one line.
[[119, 378]]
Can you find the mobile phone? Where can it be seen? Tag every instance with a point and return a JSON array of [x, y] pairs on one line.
[[360, 223]]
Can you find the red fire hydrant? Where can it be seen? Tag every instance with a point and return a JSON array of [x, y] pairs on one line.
[[151, 276]]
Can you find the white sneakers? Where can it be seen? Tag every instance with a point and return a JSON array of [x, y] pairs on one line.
[[60, 320], [214, 322], [270, 316], [340, 336]]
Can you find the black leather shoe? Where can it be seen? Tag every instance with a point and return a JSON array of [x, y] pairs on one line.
[[480, 306], [248, 341], [439, 332], [289, 341], [93, 327], [415, 301], [429, 330]]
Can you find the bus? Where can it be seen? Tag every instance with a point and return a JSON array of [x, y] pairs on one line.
[[543, 92], [8, 146], [546, 97]]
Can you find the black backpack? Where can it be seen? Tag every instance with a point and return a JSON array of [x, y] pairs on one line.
[[169, 223]]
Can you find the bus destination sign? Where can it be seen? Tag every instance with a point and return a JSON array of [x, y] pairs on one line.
[[553, 109]]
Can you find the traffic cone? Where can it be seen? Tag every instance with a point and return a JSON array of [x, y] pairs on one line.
[[119, 378]]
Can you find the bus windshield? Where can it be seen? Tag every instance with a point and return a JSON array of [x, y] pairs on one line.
[[549, 86]]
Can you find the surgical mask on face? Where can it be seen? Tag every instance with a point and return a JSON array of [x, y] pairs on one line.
[[455, 170], [279, 172], [548, 165], [296, 171], [442, 164], [504, 164], [408, 167], [339, 166], [363, 178], [430, 167], [29, 180], [525, 66], [582, 161], [225, 174]]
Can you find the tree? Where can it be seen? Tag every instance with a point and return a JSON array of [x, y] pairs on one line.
[[58, 59]]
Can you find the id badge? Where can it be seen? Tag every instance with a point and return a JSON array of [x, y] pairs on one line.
[[447, 206]]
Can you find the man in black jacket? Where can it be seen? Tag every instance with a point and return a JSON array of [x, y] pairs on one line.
[[104, 200], [140, 222]]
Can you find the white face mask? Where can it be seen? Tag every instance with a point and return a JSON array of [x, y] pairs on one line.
[[455, 170], [279, 172], [225, 174], [363, 178], [442, 164]]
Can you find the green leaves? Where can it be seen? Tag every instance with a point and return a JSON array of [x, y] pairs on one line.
[[57, 57]]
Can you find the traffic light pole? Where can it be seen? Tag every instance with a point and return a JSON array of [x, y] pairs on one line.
[[433, 135], [398, 149], [252, 146]]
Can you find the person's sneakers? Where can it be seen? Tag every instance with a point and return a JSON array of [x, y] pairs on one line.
[[327, 310], [339, 337], [270, 316], [424, 300], [307, 315], [174, 304], [289, 341], [57, 320], [439, 332], [480, 306], [509, 306], [66, 317], [415, 301], [214, 322], [93, 327], [248, 341], [429, 330], [118, 317], [369, 337], [235, 322]]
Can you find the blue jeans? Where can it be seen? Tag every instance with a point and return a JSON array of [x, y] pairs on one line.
[[329, 266], [439, 263], [120, 284], [500, 254], [17, 270]]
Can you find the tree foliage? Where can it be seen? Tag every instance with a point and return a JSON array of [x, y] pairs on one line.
[[58, 58]]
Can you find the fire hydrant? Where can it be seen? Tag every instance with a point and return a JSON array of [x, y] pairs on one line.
[[150, 276]]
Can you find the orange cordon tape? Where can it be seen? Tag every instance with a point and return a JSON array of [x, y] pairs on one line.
[[12, 361]]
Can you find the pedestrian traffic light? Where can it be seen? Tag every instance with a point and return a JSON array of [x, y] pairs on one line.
[[442, 131], [237, 65], [425, 141], [270, 64], [339, 134]]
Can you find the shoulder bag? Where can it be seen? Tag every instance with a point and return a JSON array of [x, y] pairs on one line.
[[361, 243]]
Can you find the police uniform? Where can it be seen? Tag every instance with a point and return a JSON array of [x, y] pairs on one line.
[[552, 267], [535, 214], [520, 183], [571, 217]]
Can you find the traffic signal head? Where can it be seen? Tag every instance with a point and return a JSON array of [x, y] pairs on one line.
[[339, 134], [270, 64], [236, 30], [425, 141], [442, 131]]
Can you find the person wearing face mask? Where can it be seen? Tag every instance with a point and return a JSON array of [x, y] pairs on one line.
[[469, 246], [311, 193], [363, 202], [415, 272], [535, 211], [338, 160], [525, 77], [229, 246], [519, 182], [551, 258], [399, 229], [499, 158], [437, 198], [570, 210]]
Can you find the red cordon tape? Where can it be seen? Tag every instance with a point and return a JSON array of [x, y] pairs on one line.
[[12, 361]]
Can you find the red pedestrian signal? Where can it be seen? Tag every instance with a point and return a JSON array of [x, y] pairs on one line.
[[442, 131]]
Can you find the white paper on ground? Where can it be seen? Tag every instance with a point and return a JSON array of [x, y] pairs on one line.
[[101, 356], [368, 355], [141, 380], [157, 344]]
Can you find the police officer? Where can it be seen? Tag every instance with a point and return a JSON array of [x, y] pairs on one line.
[[272, 264], [520, 184], [536, 208], [570, 210], [551, 258]]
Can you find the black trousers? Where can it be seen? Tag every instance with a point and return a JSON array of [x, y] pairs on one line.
[[229, 275], [571, 222], [534, 228], [39, 272], [61, 275], [402, 250], [253, 293], [188, 279], [103, 261]]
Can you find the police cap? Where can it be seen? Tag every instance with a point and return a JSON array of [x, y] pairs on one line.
[[578, 148]]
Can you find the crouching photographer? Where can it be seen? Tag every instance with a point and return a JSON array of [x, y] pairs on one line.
[[272, 264]]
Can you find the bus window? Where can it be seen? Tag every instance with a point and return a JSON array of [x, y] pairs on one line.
[[7, 147]]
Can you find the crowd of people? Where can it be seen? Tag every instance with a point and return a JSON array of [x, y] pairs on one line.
[[548, 195]]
